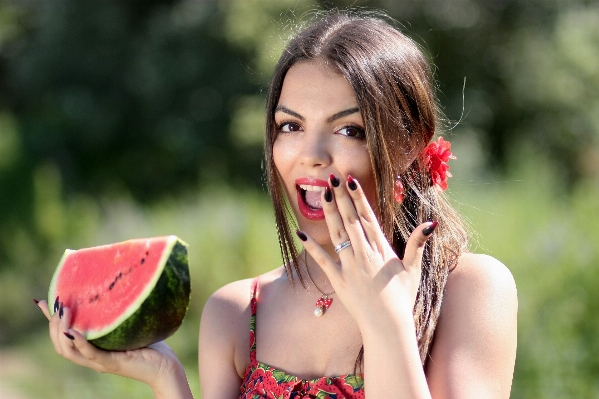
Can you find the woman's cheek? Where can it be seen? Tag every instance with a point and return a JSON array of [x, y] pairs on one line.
[[283, 157], [285, 153]]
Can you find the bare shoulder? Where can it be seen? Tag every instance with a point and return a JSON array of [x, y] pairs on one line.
[[480, 295], [474, 347], [228, 308], [478, 274], [233, 300], [225, 329], [230, 301], [222, 335], [226, 315]]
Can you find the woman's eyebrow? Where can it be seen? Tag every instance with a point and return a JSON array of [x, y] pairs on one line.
[[330, 119], [281, 108], [342, 114]]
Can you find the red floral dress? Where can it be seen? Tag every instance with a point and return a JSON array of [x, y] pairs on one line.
[[264, 382]]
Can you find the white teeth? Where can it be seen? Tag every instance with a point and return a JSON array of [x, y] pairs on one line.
[[311, 188]]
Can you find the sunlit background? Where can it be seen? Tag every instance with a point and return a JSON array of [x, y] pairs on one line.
[[123, 119]]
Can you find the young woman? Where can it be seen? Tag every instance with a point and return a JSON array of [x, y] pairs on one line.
[[382, 298]]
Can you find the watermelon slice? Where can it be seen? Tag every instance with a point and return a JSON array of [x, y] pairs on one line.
[[126, 295]]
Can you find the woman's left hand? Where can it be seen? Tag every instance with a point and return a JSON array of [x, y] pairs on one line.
[[369, 275]]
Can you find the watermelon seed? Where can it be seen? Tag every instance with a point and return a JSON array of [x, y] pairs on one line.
[[92, 300], [120, 275], [60, 311], [56, 305], [143, 260]]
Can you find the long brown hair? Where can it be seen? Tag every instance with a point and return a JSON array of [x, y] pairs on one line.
[[393, 85]]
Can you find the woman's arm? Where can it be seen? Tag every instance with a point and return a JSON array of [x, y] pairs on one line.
[[224, 341], [474, 350]]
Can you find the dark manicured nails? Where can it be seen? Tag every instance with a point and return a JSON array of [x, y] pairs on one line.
[[328, 195], [69, 336], [351, 183], [334, 180], [301, 235], [429, 229], [36, 302], [60, 311], [56, 305]]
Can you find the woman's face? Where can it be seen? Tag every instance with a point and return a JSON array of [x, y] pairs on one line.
[[319, 131]]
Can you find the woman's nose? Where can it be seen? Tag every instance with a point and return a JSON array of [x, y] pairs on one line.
[[315, 150]]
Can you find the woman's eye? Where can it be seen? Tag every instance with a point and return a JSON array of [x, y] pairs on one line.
[[288, 127], [352, 131]]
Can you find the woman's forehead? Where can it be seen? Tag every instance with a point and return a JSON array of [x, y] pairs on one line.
[[312, 85]]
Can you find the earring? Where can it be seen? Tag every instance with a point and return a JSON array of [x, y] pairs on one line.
[[398, 190]]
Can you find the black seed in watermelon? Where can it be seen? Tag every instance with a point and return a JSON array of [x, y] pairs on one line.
[[126, 295]]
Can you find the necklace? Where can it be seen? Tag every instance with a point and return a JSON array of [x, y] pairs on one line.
[[324, 302]]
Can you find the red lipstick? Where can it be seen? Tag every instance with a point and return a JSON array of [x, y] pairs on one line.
[[310, 213]]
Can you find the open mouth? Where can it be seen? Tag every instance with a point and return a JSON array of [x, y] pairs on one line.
[[309, 198]]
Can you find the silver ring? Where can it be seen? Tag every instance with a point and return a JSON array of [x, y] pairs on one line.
[[342, 246]]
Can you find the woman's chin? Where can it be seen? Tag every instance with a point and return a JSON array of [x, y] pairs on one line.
[[319, 232]]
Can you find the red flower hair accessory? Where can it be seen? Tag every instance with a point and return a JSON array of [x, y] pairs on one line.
[[435, 156]]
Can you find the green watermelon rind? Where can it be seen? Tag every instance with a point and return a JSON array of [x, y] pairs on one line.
[[158, 311], [161, 314]]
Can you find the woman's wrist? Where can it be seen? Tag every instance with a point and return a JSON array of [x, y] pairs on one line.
[[391, 323], [171, 383], [387, 315]]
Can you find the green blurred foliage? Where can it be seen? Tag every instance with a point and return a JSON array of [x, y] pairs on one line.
[[117, 97], [134, 119]]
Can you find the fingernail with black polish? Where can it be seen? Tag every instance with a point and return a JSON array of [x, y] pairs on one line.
[[36, 301], [328, 195], [56, 304], [301, 235], [351, 183], [427, 231], [69, 336], [60, 311], [334, 180]]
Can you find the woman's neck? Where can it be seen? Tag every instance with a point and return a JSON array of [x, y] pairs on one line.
[[314, 275]]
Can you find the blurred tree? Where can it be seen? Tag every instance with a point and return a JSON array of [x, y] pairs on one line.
[[118, 96]]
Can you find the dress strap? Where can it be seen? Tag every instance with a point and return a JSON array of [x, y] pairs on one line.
[[253, 306]]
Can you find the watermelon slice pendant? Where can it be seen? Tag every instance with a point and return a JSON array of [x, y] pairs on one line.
[[322, 304]]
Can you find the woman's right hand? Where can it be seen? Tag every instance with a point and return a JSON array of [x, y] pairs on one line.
[[155, 365]]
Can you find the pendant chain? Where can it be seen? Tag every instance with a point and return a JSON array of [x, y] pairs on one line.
[[313, 283], [324, 302]]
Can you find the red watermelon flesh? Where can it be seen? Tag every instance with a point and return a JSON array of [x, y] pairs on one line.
[[125, 295]]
